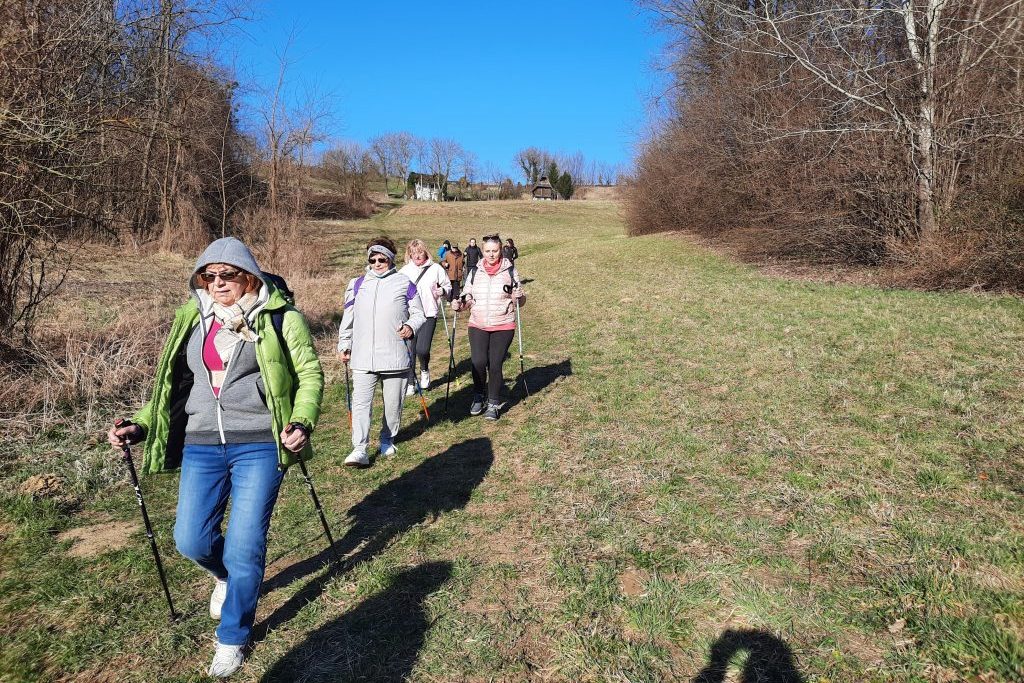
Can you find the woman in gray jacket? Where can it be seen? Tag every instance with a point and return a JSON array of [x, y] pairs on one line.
[[382, 312]]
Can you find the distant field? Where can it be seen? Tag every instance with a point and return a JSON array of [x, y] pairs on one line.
[[717, 472]]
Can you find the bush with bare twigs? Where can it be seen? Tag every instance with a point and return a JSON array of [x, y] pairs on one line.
[[885, 135]]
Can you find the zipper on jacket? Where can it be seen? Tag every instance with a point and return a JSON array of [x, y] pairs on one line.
[[373, 327]]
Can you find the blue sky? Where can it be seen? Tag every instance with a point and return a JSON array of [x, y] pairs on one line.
[[560, 75]]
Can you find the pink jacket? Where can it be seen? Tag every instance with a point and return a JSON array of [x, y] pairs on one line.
[[491, 306]]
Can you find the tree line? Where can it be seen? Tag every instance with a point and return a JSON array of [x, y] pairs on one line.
[[457, 170], [881, 132]]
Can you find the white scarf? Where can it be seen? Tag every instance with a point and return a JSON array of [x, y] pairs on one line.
[[234, 325]]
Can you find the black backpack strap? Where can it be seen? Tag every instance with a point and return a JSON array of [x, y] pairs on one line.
[[277, 320]]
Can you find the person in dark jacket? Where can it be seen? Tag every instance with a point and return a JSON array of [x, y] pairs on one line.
[[473, 254], [225, 412], [509, 251]]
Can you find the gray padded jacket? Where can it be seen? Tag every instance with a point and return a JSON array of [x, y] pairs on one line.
[[375, 308]]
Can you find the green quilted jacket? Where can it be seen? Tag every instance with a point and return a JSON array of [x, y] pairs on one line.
[[294, 389]]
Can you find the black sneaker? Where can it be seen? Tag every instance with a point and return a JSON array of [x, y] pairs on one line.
[[492, 411], [478, 405]]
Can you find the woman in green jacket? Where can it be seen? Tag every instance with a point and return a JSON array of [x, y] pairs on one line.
[[236, 396]]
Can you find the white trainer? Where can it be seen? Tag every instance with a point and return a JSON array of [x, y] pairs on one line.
[[357, 457], [220, 591], [226, 660], [410, 390], [425, 380], [387, 448]]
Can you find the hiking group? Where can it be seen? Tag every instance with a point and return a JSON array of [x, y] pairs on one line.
[[238, 390]]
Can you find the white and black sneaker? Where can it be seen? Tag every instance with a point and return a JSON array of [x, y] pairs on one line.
[[387, 448], [478, 405], [425, 380]]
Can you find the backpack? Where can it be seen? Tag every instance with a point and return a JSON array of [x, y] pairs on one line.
[[277, 317]]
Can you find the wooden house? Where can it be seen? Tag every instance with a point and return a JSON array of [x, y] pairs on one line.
[[544, 190]]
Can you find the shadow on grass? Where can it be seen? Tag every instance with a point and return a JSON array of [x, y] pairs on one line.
[[769, 659], [537, 378], [379, 640], [437, 485]]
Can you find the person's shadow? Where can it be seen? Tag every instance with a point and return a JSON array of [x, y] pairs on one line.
[[769, 659], [537, 379], [379, 640], [438, 485]]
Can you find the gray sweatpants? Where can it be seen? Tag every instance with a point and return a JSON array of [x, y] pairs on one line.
[[364, 385]]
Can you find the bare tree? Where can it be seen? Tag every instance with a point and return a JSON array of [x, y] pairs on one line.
[[911, 70], [441, 156], [346, 165], [533, 162]]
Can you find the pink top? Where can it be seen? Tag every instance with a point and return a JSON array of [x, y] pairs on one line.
[[211, 359]]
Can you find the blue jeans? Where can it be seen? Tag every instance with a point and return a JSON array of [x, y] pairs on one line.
[[247, 472]]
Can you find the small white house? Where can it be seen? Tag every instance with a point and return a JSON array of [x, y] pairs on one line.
[[426, 191]]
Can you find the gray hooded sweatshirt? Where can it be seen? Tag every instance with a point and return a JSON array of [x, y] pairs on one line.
[[239, 413]]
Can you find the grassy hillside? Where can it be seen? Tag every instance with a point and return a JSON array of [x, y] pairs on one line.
[[716, 470]]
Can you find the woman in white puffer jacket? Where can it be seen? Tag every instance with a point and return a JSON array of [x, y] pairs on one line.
[[491, 291], [432, 283]]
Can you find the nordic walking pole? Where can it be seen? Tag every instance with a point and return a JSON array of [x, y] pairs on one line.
[[451, 352], [519, 336], [127, 452], [348, 397], [416, 383], [312, 491]]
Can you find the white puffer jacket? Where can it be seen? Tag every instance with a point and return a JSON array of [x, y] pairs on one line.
[[426, 278], [491, 306], [373, 315]]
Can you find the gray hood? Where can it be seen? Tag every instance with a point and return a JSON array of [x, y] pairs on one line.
[[233, 252]]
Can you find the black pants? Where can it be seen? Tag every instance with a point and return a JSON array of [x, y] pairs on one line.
[[424, 338], [487, 350]]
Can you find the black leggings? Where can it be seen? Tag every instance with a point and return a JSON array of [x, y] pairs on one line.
[[424, 338], [488, 349]]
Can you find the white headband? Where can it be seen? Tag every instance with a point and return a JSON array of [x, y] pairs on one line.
[[381, 250]]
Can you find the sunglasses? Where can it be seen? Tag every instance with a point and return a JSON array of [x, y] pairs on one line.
[[225, 275], [381, 259]]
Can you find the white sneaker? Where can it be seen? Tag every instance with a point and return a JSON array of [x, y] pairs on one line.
[[387, 448], [226, 660], [410, 390], [425, 380], [220, 591], [357, 458]]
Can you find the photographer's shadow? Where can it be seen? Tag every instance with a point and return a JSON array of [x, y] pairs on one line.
[[379, 640], [769, 659], [438, 485]]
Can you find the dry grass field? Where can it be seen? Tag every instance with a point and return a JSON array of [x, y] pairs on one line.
[[719, 476]]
